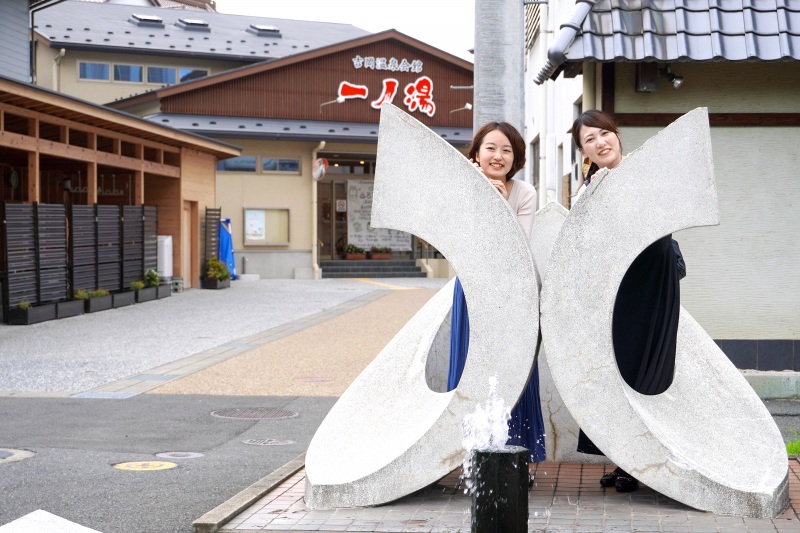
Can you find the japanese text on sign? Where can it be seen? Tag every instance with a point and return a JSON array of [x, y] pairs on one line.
[[391, 64]]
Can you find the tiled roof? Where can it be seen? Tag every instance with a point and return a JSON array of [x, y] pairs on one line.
[[677, 30], [285, 129], [113, 27]]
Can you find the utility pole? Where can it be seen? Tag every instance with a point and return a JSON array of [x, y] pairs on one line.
[[499, 91]]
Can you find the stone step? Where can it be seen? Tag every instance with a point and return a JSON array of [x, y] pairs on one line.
[[417, 274]]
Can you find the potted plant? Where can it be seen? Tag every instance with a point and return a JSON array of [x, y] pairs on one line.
[[383, 252], [151, 279], [121, 299], [25, 313], [69, 308], [95, 300], [149, 289], [353, 252], [217, 275]]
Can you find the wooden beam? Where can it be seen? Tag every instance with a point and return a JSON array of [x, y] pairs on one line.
[[34, 190], [84, 127], [91, 183], [138, 188], [76, 153], [660, 120]]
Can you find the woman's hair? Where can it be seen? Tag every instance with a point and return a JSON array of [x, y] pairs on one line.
[[517, 144], [593, 119]]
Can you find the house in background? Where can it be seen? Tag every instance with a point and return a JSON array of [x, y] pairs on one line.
[[319, 104], [648, 63], [107, 51], [63, 150]]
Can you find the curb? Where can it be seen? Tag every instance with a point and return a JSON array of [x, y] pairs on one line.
[[225, 512]]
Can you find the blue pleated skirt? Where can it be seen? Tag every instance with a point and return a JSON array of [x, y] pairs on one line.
[[526, 426]]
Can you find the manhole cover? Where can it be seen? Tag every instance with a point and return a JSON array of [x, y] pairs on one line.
[[314, 380], [145, 466], [254, 413], [179, 455], [268, 442]]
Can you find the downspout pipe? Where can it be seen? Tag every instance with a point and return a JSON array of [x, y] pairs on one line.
[[557, 53], [57, 69], [316, 272]]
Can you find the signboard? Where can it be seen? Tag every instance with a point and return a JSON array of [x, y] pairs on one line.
[[359, 213]]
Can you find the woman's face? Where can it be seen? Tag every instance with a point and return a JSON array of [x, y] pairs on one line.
[[601, 146], [495, 156]]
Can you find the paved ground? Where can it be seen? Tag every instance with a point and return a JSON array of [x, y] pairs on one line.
[[86, 393], [566, 497]]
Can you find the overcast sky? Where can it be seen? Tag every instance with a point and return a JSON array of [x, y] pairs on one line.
[[445, 24]]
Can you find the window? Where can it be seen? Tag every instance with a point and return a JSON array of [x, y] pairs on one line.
[[535, 154], [244, 163], [187, 74], [271, 164], [132, 73], [93, 71], [162, 75]]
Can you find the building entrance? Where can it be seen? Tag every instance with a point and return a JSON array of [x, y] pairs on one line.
[[332, 199]]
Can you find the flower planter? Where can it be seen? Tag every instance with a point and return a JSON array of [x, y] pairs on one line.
[[380, 256], [121, 299], [214, 283], [31, 315], [98, 303], [146, 294], [355, 257], [68, 309], [164, 291]]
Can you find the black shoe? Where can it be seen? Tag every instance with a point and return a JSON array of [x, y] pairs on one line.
[[626, 483], [608, 480]]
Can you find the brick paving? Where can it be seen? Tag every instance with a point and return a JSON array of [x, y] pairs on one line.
[[565, 497]]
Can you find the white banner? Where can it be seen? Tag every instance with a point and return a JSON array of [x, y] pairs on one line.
[[359, 230]]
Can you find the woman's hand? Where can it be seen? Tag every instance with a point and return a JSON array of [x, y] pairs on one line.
[[499, 185]]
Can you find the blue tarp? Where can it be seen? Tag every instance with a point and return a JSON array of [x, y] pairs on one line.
[[226, 246]]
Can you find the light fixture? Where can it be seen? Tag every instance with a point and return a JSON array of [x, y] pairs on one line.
[[676, 81], [466, 107]]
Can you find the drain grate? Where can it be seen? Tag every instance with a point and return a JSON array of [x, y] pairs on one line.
[[268, 442], [179, 455], [254, 413]]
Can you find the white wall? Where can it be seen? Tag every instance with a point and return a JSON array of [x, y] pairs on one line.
[[743, 280]]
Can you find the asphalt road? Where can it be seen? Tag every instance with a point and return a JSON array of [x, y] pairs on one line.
[[75, 442]]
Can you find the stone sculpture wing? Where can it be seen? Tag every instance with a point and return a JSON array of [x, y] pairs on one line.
[[708, 441], [389, 434]]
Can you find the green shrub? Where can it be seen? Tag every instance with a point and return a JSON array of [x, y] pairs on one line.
[[137, 285], [216, 269], [793, 446], [380, 250], [24, 304], [151, 278], [97, 293], [352, 249], [81, 294]]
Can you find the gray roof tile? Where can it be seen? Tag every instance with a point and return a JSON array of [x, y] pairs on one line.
[[677, 30], [80, 24]]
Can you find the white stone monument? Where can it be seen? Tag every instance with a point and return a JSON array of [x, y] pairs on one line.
[[390, 434], [708, 441]]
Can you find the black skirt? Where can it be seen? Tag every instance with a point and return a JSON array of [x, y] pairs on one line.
[[645, 324]]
